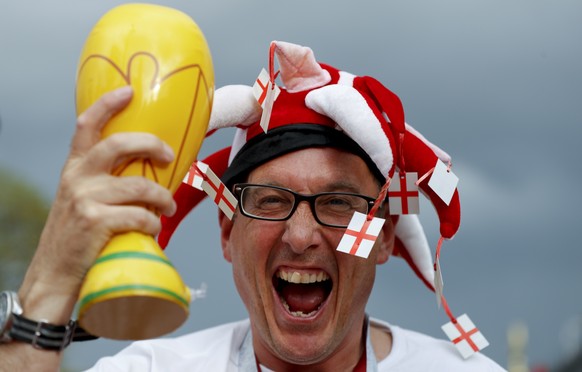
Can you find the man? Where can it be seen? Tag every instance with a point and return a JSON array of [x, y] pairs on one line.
[[333, 143]]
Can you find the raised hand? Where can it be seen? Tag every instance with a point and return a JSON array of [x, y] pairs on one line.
[[91, 206]]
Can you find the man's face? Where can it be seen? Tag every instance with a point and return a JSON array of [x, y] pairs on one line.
[[310, 322]]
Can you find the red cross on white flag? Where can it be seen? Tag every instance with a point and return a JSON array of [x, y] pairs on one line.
[[262, 86], [266, 93], [403, 194], [203, 178], [194, 178], [466, 337], [360, 235]]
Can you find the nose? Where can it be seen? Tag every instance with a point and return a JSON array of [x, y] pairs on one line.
[[302, 232]]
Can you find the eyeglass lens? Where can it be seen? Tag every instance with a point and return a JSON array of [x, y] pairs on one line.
[[277, 204]]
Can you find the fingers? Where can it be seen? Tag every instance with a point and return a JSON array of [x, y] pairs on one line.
[[123, 191], [90, 122], [91, 204], [89, 211], [120, 219], [107, 154]]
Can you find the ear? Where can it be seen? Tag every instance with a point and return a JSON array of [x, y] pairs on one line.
[[225, 230], [386, 239]]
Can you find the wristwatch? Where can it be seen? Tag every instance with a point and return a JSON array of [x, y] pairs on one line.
[[9, 306], [40, 334]]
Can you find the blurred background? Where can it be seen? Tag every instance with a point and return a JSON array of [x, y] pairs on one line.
[[497, 84]]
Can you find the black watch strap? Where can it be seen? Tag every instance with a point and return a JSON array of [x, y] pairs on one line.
[[44, 335]]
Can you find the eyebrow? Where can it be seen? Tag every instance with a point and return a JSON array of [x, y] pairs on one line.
[[344, 186]]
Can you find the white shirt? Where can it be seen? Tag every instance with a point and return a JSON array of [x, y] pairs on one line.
[[217, 349]]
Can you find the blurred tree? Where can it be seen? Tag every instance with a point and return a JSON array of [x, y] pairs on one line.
[[22, 215]]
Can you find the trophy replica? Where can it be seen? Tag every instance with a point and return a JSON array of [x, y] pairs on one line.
[[132, 290]]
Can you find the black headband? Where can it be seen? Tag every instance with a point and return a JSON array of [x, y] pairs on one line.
[[285, 139]]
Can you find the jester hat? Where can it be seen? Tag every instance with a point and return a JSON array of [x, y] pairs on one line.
[[319, 105]]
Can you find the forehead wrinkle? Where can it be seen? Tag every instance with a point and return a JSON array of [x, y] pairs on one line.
[[335, 171]]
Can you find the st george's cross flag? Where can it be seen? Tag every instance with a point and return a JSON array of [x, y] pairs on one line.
[[203, 178], [466, 337], [266, 93], [403, 194], [360, 235], [194, 177]]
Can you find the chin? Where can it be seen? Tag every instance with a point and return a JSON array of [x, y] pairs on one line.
[[302, 353]]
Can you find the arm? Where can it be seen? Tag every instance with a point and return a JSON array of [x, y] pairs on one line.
[[90, 207]]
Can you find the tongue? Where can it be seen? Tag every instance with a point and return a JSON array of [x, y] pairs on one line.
[[303, 297]]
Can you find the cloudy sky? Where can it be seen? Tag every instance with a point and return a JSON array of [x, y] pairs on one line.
[[497, 84]]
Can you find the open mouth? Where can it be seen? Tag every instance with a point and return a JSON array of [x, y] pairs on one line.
[[302, 294]]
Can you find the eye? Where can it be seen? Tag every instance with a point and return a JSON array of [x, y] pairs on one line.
[[267, 199], [270, 201], [341, 203]]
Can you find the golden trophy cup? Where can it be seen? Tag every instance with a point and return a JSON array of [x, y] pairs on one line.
[[132, 291]]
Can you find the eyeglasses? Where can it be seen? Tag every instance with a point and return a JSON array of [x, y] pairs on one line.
[[273, 203]]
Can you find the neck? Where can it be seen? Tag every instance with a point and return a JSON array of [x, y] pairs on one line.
[[345, 357]]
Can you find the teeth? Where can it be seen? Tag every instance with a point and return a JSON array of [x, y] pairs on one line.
[[299, 278], [299, 314], [295, 277]]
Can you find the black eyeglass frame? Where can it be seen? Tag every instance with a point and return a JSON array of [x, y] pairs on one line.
[[298, 198]]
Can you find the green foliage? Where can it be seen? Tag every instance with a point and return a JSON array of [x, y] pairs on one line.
[[22, 216]]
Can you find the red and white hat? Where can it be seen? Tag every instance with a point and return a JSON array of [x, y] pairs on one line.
[[319, 105]]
